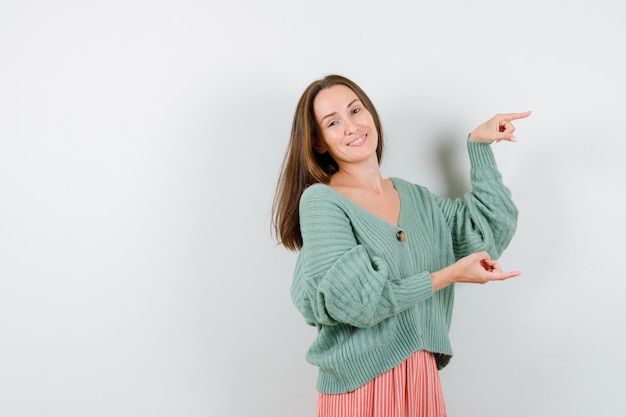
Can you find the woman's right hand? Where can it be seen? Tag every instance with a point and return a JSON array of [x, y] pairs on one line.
[[476, 268]]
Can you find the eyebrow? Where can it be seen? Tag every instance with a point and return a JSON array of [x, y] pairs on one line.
[[334, 113]]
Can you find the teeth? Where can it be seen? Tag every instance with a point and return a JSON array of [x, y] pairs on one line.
[[357, 142]]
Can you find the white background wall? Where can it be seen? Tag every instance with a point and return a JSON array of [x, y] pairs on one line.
[[140, 143]]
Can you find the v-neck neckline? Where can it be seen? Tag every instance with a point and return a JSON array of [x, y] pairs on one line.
[[369, 213]]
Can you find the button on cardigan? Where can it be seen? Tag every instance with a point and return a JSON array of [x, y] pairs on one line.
[[369, 292]]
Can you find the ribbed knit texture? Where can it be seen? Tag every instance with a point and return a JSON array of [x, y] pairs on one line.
[[370, 295]]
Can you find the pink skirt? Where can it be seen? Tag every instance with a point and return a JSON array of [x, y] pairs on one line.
[[411, 389]]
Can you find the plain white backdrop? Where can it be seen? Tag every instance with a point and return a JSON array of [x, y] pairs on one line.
[[140, 143]]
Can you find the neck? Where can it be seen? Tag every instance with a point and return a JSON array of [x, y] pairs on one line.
[[359, 176]]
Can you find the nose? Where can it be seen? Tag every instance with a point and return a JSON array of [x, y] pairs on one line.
[[351, 126]]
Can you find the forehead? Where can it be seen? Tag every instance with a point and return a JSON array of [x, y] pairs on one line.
[[333, 99]]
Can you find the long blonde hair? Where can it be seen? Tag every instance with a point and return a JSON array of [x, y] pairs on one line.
[[303, 166]]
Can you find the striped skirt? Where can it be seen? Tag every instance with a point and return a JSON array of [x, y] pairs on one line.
[[411, 389]]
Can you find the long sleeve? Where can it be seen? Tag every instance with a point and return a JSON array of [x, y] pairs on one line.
[[336, 279], [486, 219]]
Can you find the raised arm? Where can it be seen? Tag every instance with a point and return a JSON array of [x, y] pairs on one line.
[[483, 223]]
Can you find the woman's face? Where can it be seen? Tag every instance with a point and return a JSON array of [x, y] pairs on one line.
[[346, 127]]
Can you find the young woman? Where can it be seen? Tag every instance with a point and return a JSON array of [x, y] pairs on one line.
[[378, 258]]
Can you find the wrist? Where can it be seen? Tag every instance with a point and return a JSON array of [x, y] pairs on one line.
[[441, 279], [472, 138]]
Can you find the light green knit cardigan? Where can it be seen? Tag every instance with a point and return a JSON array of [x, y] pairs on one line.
[[370, 294]]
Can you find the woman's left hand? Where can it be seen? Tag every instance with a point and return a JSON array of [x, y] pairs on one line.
[[498, 128]]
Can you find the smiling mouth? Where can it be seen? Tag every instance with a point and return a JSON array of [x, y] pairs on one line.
[[358, 141]]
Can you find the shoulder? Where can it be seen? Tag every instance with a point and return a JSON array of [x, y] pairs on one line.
[[321, 205], [317, 192], [404, 186], [320, 197]]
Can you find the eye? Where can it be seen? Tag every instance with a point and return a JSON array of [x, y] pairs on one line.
[[333, 123], [356, 110]]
